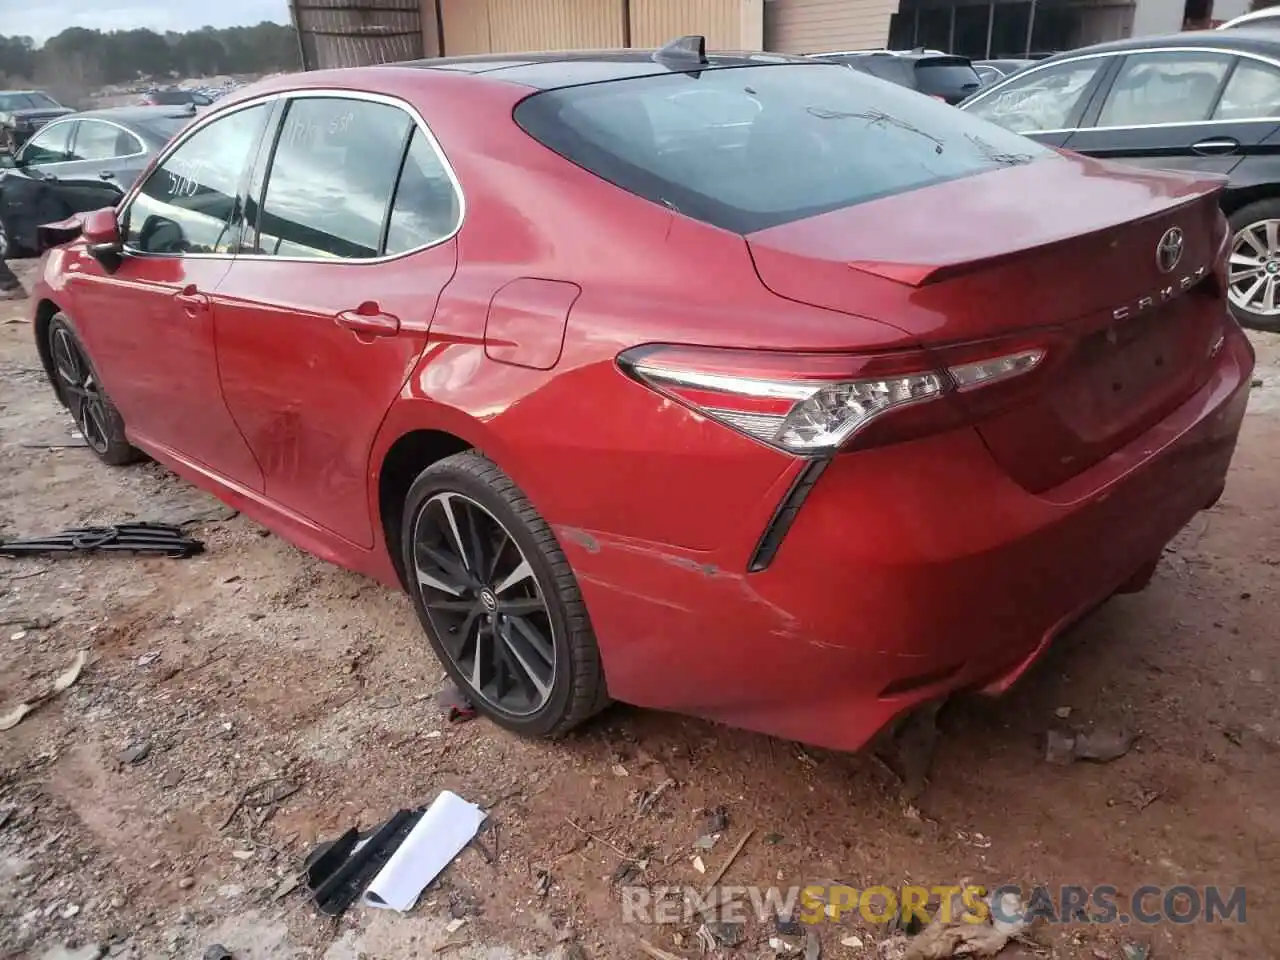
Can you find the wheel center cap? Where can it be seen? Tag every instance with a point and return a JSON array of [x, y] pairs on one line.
[[1273, 266], [488, 599]]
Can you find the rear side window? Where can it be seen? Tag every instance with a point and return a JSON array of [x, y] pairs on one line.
[[331, 178], [426, 208], [1253, 91], [820, 137]]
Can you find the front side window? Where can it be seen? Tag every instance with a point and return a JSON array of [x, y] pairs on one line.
[[331, 178], [426, 206], [96, 140], [50, 145], [1049, 99], [189, 203], [1164, 88], [1253, 91], [821, 137]]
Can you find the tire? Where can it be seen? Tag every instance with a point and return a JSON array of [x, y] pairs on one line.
[[1252, 221], [466, 497], [76, 382], [7, 250]]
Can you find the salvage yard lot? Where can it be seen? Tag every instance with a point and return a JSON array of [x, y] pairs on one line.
[[255, 661]]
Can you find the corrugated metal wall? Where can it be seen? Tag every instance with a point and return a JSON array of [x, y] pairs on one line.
[[555, 24], [816, 26], [727, 24], [497, 26], [352, 33], [500, 26]]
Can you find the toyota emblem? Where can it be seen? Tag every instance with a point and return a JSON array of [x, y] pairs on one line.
[[1169, 249]]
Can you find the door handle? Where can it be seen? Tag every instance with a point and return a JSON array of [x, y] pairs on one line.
[[49, 177], [1216, 146], [369, 321], [192, 299], [106, 175]]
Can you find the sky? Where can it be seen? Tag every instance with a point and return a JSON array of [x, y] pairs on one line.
[[42, 19]]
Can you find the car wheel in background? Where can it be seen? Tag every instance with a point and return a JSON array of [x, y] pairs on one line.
[[1253, 285], [76, 382], [498, 600]]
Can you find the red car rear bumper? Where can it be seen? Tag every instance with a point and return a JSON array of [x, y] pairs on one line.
[[910, 571]]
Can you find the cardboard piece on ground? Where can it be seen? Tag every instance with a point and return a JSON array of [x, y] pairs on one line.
[[449, 824]]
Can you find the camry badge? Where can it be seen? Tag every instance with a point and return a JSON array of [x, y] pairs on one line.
[[1169, 249]]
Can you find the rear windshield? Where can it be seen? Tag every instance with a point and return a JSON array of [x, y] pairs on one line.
[[942, 77], [164, 127], [746, 148]]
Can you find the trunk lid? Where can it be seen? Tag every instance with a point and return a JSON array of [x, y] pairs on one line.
[[1064, 249]]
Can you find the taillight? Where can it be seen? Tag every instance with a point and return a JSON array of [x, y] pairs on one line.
[[813, 403]]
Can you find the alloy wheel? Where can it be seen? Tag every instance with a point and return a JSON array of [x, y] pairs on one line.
[[81, 390], [485, 604], [1253, 281]]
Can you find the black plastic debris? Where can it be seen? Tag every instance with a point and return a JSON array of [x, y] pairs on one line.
[[457, 708], [339, 871], [125, 537]]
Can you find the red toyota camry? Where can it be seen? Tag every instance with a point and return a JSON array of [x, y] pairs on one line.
[[742, 386]]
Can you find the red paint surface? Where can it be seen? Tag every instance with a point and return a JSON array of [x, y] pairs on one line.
[[959, 553]]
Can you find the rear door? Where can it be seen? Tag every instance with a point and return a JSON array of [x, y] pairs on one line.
[[1046, 102], [1179, 110], [327, 307]]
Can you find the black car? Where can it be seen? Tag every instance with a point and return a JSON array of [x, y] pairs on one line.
[[1203, 101], [22, 113], [80, 162], [938, 75]]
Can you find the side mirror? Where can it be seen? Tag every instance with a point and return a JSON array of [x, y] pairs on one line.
[[7, 162], [101, 232]]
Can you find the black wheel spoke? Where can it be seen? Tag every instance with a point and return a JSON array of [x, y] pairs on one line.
[[521, 607], [528, 634], [448, 574], [521, 574], [526, 667], [453, 606]]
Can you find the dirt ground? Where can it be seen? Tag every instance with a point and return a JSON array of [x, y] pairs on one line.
[[256, 661]]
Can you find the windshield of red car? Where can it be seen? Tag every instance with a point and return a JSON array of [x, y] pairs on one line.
[[745, 148]]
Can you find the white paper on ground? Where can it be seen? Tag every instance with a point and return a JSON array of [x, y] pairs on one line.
[[439, 836]]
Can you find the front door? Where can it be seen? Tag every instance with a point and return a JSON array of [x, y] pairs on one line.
[[324, 314], [150, 323], [28, 191], [1182, 110]]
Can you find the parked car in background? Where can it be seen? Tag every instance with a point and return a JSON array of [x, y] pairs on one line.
[[22, 113], [941, 76], [175, 97], [331, 305], [1266, 18], [992, 70], [83, 161], [1204, 101]]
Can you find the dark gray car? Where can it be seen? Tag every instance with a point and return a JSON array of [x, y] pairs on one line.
[[1206, 101], [84, 161]]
